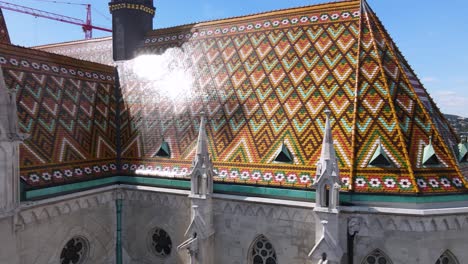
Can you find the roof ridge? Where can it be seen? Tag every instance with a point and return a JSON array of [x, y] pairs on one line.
[[352, 170], [450, 155], [61, 59], [389, 98], [249, 16], [407, 64], [64, 43]]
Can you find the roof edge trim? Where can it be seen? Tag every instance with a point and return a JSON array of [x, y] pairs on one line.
[[184, 184], [322, 6], [71, 42]]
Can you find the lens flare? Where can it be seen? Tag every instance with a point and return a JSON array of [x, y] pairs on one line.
[[166, 73]]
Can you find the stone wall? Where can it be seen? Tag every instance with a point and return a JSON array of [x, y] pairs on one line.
[[42, 229], [238, 224], [413, 239], [8, 249], [144, 211]]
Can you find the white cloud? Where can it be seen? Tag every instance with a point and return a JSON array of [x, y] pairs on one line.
[[212, 12], [429, 79], [451, 102]]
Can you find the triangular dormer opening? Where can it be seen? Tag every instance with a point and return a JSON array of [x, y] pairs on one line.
[[464, 158], [429, 156], [432, 161], [285, 155], [380, 161], [380, 158], [164, 150], [463, 152]]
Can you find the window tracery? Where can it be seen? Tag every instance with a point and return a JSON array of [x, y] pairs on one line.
[[160, 242], [75, 251], [447, 258], [376, 257], [262, 252]]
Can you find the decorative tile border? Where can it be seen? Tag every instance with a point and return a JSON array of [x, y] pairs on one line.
[[404, 184], [57, 69], [439, 182], [225, 174], [383, 183], [286, 177], [73, 172], [252, 27]]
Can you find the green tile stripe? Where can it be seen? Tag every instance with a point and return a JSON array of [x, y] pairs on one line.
[[264, 191], [246, 190], [80, 186], [354, 197]]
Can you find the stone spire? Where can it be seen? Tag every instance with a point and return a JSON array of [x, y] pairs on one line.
[[327, 183], [327, 167], [202, 167], [200, 232], [202, 142]]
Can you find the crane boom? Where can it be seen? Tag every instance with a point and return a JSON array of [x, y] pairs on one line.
[[86, 25]]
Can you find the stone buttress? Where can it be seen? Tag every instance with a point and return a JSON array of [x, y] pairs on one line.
[[200, 233], [327, 183]]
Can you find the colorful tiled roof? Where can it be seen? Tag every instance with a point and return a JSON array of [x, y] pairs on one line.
[[4, 35], [97, 50], [68, 107], [265, 81]]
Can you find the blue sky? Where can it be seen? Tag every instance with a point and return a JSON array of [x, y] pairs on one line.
[[432, 34]]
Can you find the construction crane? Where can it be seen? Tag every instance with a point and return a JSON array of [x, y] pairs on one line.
[[86, 25]]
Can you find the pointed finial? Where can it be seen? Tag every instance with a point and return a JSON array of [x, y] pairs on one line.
[[430, 140], [202, 148], [327, 144], [328, 127]]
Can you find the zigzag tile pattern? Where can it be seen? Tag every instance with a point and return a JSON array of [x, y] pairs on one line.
[[67, 106], [266, 80]]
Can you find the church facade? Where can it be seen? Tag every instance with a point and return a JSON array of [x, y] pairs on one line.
[[293, 136]]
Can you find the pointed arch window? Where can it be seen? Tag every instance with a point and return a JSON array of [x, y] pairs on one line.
[[377, 257], [327, 196], [262, 252], [447, 258]]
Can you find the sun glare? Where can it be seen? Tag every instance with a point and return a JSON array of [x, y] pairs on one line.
[[166, 73]]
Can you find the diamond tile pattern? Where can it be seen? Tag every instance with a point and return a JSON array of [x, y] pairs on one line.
[[267, 80], [68, 108], [264, 81]]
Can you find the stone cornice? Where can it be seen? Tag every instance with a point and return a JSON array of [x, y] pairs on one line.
[[372, 224], [374, 218]]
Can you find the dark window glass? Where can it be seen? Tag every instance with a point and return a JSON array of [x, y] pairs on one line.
[[263, 252], [74, 252], [161, 243], [376, 257]]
